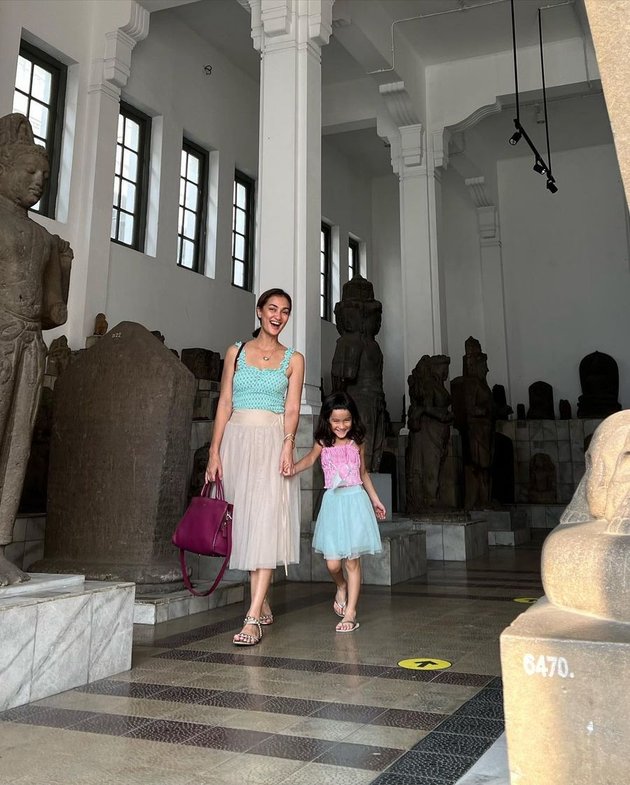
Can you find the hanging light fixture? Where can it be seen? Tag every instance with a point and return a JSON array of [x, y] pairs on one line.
[[540, 165]]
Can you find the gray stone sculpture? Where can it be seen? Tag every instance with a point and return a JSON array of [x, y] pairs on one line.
[[541, 402], [34, 280], [59, 356], [203, 363], [429, 423], [542, 480], [357, 365], [100, 324], [119, 458], [599, 378], [473, 407], [585, 559]]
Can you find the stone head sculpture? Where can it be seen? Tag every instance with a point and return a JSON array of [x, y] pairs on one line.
[[23, 164]]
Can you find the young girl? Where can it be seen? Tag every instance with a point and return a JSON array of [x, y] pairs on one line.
[[346, 525]]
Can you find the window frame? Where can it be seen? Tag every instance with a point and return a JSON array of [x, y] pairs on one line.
[[199, 254], [58, 72], [142, 182], [325, 272], [354, 247], [250, 187]]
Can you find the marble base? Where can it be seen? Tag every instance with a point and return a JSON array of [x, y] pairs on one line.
[[403, 557], [565, 681], [58, 632], [505, 527], [540, 516], [455, 540], [157, 608]]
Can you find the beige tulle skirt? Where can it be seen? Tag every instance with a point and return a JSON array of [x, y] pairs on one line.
[[266, 523]]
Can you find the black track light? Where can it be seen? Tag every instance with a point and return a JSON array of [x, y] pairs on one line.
[[551, 186], [540, 167], [514, 139]]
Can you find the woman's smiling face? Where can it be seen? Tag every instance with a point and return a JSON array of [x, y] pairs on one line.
[[274, 315]]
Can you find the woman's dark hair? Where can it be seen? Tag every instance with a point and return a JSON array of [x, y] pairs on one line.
[[262, 300], [338, 400]]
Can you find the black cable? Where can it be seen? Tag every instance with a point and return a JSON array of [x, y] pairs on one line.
[[518, 113], [544, 89]]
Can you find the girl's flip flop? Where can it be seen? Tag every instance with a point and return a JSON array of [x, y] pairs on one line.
[[354, 626]]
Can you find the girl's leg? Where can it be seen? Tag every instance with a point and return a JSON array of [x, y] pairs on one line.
[[353, 571], [341, 596], [260, 581]]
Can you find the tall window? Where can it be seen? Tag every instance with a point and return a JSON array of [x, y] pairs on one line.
[[325, 264], [192, 207], [40, 86], [243, 231], [131, 177], [354, 266]]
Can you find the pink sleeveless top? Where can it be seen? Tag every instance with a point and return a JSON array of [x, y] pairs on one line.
[[341, 465]]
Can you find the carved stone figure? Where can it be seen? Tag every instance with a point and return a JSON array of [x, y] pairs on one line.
[[585, 559], [429, 425], [59, 356], [541, 402], [357, 365], [100, 324], [564, 407], [203, 363], [34, 279], [520, 411], [542, 480], [473, 406], [502, 409], [599, 378]]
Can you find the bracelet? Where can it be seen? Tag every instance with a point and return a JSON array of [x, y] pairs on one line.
[[289, 436]]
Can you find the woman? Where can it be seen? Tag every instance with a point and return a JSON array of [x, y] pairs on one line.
[[252, 452]]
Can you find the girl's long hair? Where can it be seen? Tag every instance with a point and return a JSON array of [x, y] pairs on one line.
[[338, 400]]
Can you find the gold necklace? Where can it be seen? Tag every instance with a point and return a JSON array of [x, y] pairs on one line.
[[270, 355]]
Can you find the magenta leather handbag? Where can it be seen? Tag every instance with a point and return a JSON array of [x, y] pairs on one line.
[[206, 528]]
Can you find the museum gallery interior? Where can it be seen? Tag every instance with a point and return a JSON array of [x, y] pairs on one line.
[[441, 186]]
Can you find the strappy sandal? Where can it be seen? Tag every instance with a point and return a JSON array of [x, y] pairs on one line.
[[354, 625], [266, 618], [340, 607], [244, 638]]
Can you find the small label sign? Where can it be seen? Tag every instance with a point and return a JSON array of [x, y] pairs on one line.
[[425, 664], [526, 600]]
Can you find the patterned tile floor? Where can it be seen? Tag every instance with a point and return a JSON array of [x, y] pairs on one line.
[[306, 706]]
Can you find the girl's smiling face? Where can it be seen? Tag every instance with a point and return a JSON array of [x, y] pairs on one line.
[[340, 422]]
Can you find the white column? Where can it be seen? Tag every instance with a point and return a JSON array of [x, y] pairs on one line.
[[90, 270], [419, 197], [289, 35], [492, 288]]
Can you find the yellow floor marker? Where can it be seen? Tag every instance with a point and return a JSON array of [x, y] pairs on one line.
[[526, 600], [425, 664]]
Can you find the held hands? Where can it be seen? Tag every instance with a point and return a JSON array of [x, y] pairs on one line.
[[379, 510], [286, 459]]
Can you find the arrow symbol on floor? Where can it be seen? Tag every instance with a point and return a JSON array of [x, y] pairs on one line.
[[424, 663]]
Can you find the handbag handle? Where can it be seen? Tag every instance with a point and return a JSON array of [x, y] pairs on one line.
[[218, 489]]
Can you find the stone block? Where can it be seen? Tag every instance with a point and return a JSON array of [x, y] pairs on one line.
[[455, 540], [576, 431], [549, 430], [203, 363], [59, 632], [550, 448], [121, 431], [151, 609], [563, 675], [536, 430], [564, 452], [590, 426], [562, 430], [522, 431]]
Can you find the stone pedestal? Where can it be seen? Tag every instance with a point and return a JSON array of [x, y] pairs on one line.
[[158, 607], [58, 632], [566, 677], [505, 527], [455, 540], [403, 557]]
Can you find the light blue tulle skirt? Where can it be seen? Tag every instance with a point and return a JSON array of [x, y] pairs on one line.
[[346, 525]]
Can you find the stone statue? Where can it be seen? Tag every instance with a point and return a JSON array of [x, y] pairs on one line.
[[34, 280], [542, 480], [564, 407], [100, 324], [541, 402], [473, 406], [429, 423], [357, 365], [502, 408], [599, 378], [59, 356], [585, 559]]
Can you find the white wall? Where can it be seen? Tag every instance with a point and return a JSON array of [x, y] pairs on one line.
[[218, 112], [566, 270]]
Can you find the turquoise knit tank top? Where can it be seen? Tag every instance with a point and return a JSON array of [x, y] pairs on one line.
[[260, 388]]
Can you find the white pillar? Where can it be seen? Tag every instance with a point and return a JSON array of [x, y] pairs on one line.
[[289, 36], [93, 198], [492, 288], [419, 198]]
